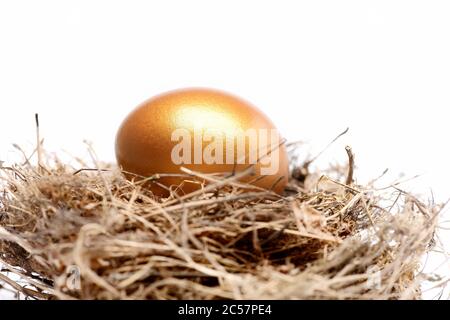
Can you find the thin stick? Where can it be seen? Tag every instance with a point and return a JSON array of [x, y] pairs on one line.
[[38, 141], [89, 169], [26, 291], [351, 164], [307, 163]]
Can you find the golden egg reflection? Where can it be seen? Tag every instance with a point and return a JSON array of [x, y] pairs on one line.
[[203, 130]]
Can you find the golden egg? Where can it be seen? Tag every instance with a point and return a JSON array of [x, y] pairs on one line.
[[203, 130]]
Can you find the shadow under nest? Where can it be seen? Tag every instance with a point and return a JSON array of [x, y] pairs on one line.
[[92, 234]]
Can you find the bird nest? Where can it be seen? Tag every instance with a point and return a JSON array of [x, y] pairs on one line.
[[92, 234]]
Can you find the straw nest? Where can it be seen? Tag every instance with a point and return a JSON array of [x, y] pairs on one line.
[[92, 234]]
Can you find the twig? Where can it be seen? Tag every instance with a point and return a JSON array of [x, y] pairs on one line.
[[26, 291], [351, 163], [89, 169], [38, 142], [307, 163]]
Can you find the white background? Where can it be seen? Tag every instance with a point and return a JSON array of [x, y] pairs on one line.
[[381, 68]]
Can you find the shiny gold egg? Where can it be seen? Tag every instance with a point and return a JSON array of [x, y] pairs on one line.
[[203, 130]]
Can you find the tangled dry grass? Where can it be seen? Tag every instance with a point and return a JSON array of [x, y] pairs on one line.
[[91, 234]]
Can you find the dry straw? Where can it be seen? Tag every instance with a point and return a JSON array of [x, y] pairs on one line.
[[91, 234]]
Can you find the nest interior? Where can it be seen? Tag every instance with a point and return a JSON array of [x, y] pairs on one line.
[[92, 234]]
